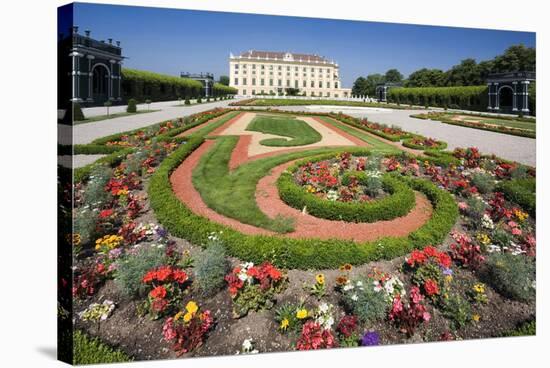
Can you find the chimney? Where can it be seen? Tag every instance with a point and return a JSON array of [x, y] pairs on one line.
[[75, 29], [110, 41], [87, 32], [118, 43]]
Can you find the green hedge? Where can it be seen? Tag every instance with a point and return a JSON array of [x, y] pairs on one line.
[[522, 192], [222, 90], [468, 97], [289, 252], [143, 85], [440, 158], [400, 201]]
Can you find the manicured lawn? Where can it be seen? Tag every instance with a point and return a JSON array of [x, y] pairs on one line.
[[299, 132], [112, 116], [232, 193], [210, 127], [88, 350], [523, 127], [377, 144]]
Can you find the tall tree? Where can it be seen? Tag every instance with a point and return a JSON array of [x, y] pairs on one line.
[[224, 79], [393, 76], [426, 78], [516, 58], [359, 86], [464, 74]]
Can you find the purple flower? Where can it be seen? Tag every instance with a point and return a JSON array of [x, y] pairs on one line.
[[447, 271], [370, 338]]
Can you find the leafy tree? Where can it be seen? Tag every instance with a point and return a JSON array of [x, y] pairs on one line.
[[464, 74], [359, 86], [516, 58], [426, 78], [393, 76], [224, 79], [367, 86]]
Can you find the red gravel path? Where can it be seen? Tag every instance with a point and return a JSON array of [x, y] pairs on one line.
[[200, 126], [269, 202], [307, 226]]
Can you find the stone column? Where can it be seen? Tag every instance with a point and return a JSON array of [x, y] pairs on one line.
[[497, 97], [90, 78], [525, 107], [110, 88], [514, 99], [119, 80], [75, 75], [490, 92]]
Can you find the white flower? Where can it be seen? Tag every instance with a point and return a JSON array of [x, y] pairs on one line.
[[354, 297], [487, 223], [248, 347], [323, 308], [348, 287], [332, 195]]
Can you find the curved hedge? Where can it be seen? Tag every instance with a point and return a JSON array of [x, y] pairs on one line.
[[466, 97], [400, 201], [143, 85], [355, 123], [289, 252]]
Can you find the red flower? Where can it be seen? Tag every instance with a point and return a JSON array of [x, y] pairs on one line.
[[159, 305], [150, 276], [431, 287], [179, 276], [158, 293], [163, 273], [106, 213]]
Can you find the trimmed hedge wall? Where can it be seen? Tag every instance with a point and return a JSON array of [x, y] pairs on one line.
[[288, 252], [143, 85], [222, 90], [522, 192], [468, 97], [400, 201]]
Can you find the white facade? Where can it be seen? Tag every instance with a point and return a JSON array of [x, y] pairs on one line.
[[271, 73]]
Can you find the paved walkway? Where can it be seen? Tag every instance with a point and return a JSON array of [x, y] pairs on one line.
[[509, 147], [87, 132], [90, 112]]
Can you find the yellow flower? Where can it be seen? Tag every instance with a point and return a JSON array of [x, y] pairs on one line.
[[301, 313], [320, 279], [346, 267], [449, 278], [187, 317], [178, 316], [192, 307], [483, 239], [479, 288], [476, 317], [284, 324], [521, 216]]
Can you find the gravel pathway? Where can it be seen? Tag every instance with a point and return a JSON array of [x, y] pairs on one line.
[[77, 160], [86, 133], [510, 147]]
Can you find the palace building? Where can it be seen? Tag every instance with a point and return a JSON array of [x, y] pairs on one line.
[[279, 73]]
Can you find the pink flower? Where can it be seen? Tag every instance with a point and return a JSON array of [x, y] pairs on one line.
[[516, 231], [426, 316], [512, 224], [463, 206]]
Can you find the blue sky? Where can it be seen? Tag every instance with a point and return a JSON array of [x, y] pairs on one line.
[[173, 40]]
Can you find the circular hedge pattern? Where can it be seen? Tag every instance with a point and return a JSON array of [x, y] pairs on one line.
[[399, 202]]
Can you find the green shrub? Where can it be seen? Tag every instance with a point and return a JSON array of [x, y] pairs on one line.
[[458, 310], [502, 238], [464, 97], [519, 172], [284, 224], [511, 275], [132, 267], [132, 106], [400, 201], [476, 210], [522, 192], [485, 183], [85, 224], [187, 101], [199, 100], [364, 302], [90, 350], [78, 114], [528, 328], [211, 266]]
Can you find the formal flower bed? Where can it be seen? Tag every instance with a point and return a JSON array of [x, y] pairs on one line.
[[345, 187], [192, 287], [424, 143]]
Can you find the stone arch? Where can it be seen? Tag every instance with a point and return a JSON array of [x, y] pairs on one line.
[[101, 77], [506, 98]]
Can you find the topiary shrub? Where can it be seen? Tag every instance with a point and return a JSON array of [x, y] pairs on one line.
[[132, 105], [187, 101], [78, 114], [211, 266], [131, 268], [199, 100], [511, 275]]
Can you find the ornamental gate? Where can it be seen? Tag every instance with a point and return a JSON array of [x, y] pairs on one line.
[[509, 92]]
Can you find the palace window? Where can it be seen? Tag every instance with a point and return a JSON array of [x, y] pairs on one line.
[[271, 82], [304, 84], [320, 84], [236, 81], [335, 84], [253, 81], [244, 81], [236, 66], [279, 82], [295, 84], [262, 82], [288, 82], [312, 84]]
